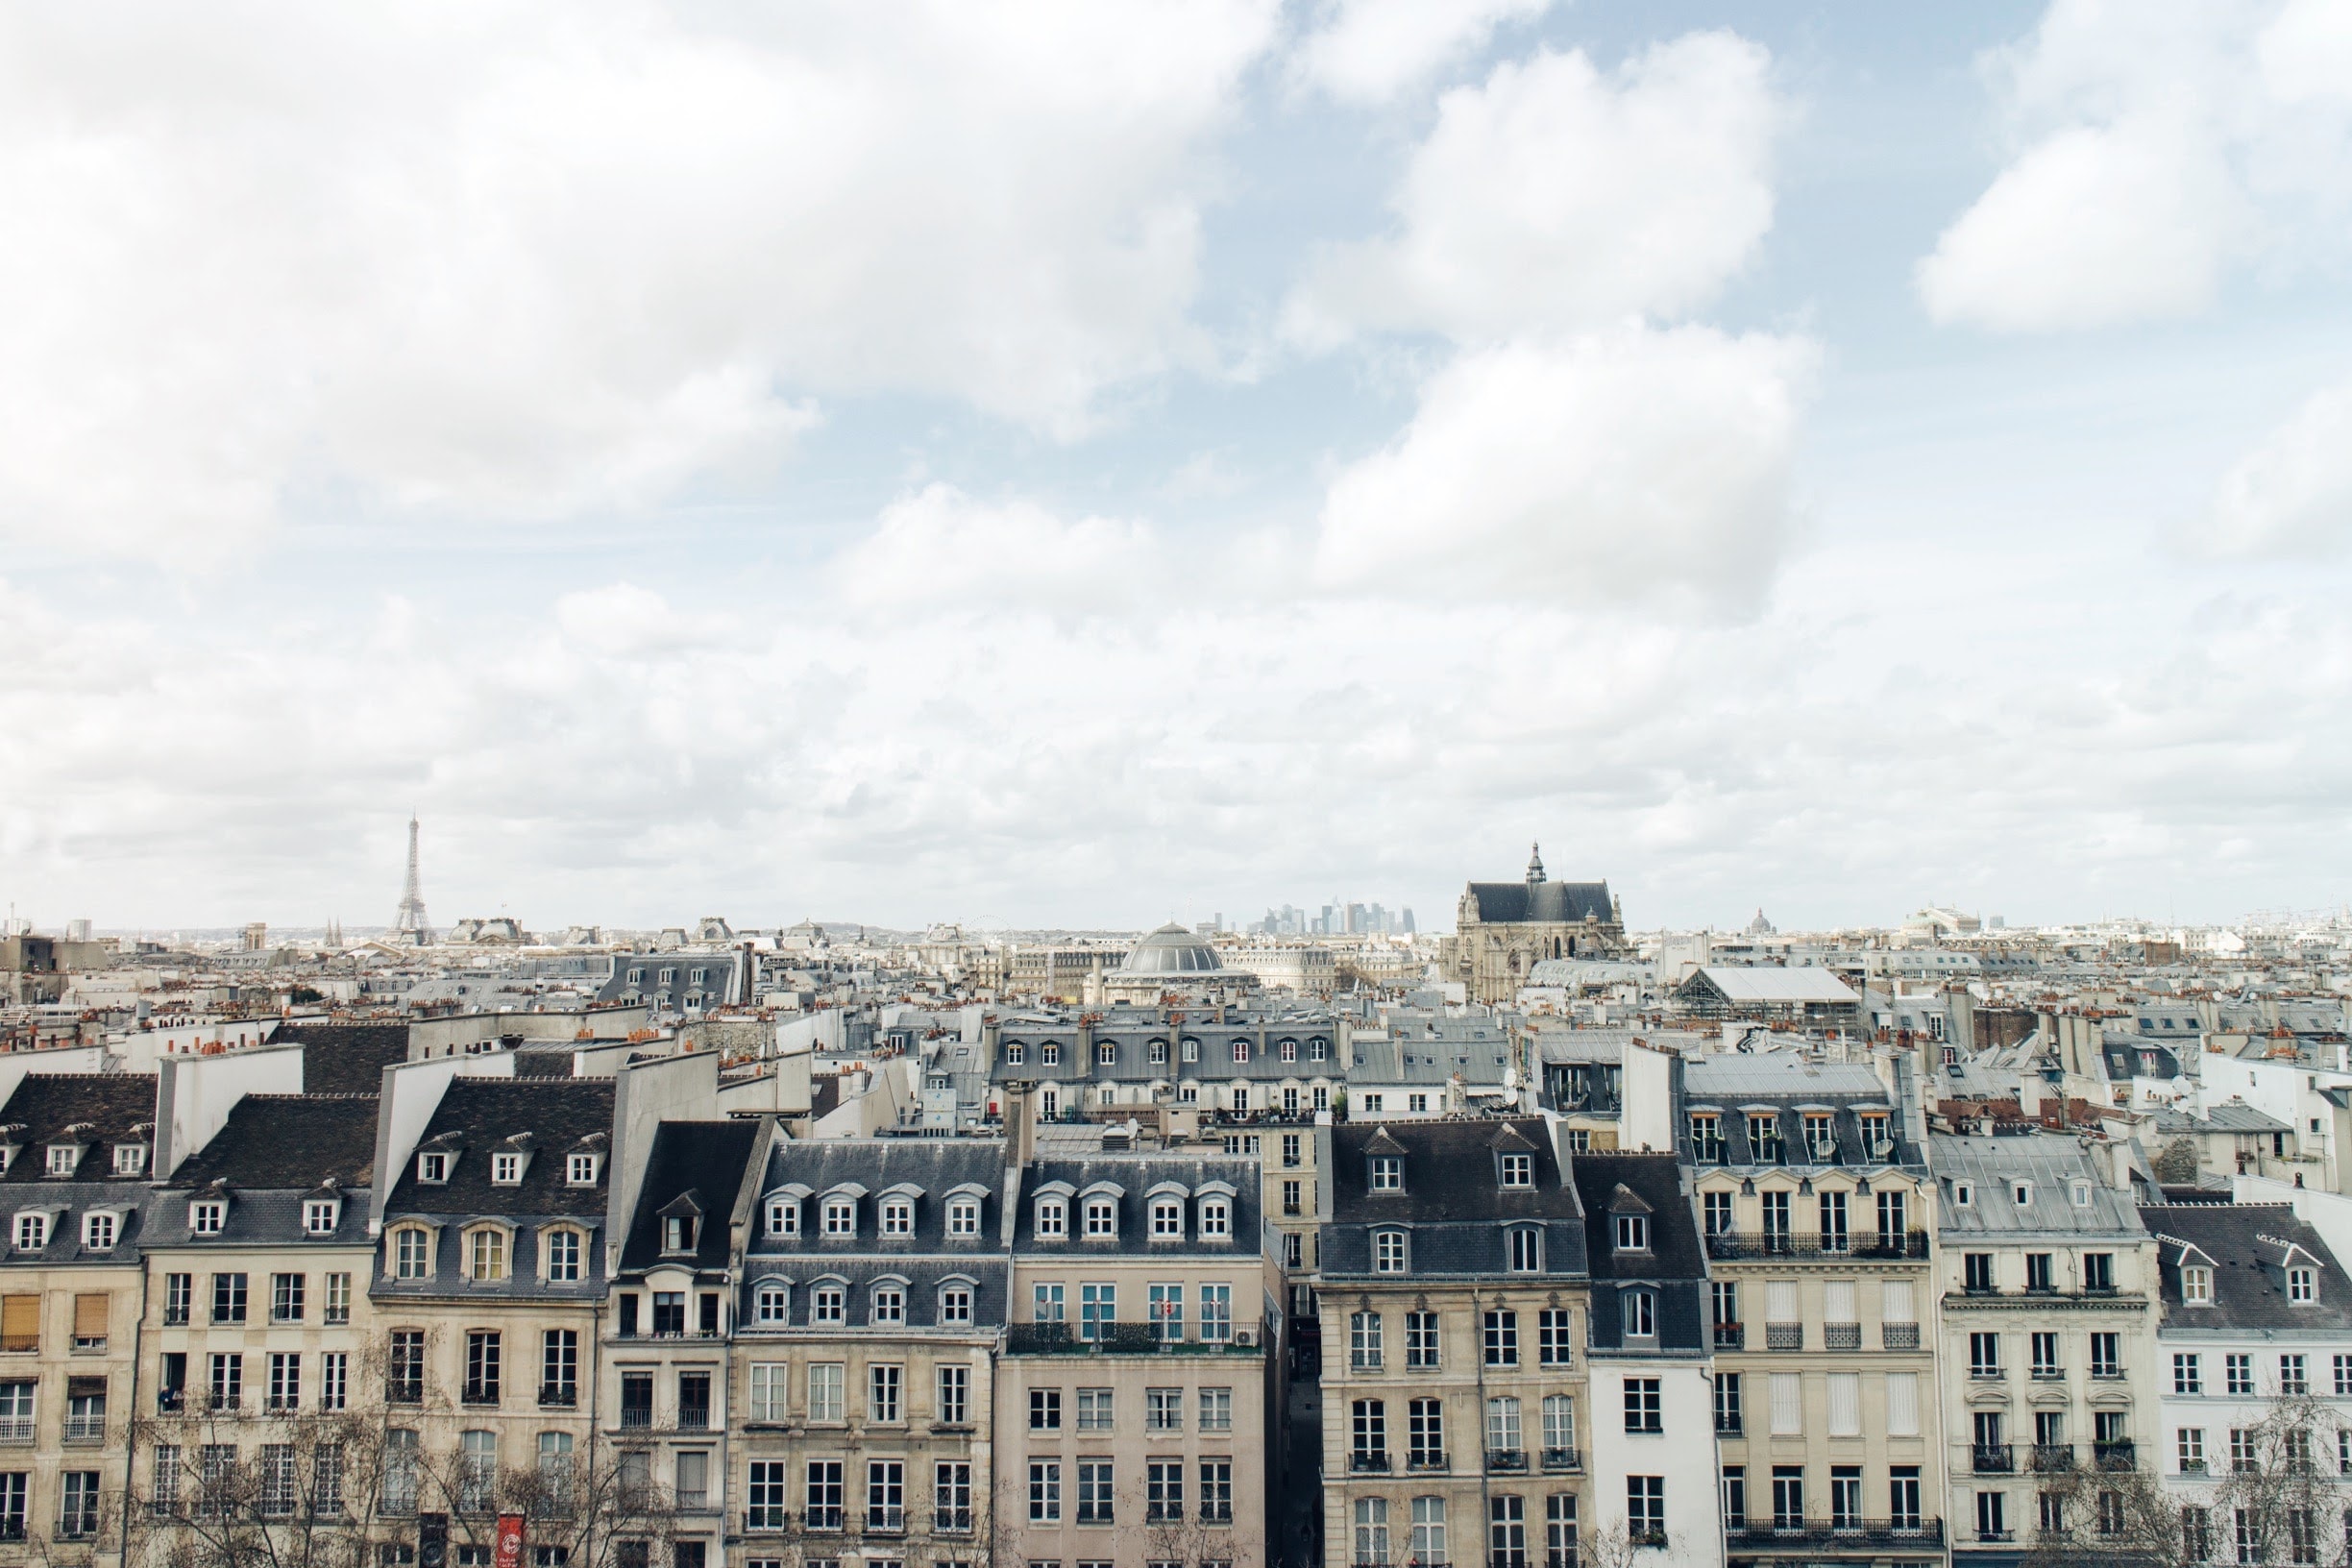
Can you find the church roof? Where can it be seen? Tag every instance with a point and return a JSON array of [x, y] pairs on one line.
[[1549, 902]]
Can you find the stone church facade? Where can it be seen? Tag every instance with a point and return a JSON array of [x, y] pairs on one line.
[[1502, 929]]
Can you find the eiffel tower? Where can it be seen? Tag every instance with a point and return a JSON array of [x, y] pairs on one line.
[[409, 923]]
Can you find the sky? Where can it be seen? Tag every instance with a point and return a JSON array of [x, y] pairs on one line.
[[1082, 464]]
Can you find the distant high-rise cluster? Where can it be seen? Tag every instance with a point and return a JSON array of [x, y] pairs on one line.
[[1336, 919]]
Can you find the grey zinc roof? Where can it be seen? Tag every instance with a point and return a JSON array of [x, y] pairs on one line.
[[2248, 1246], [2050, 1162], [1542, 901], [1451, 1201], [1778, 1073], [1135, 1175], [1773, 984]]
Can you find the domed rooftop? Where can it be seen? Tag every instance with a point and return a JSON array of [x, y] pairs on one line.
[[1172, 950]]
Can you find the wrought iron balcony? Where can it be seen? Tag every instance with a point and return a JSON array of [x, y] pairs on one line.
[[2120, 1454], [1505, 1459], [1557, 1459], [1993, 1459], [1368, 1462], [2052, 1459], [1731, 1336]]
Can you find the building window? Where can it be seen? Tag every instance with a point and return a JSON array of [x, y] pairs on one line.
[[1364, 1349], [486, 1255], [320, 1215], [839, 1216], [580, 1170], [1643, 1411], [204, 1219], [2303, 1285], [1555, 1345], [1421, 1340], [563, 1256], [98, 1231], [964, 1218], [1388, 1173], [1500, 1334], [889, 1307], [505, 1170], [828, 1303], [1526, 1250], [1639, 1314], [1646, 1510], [1101, 1218], [1632, 1232], [411, 1250], [883, 1384], [228, 1298], [2196, 1286], [897, 1218], [1518, 1170], [1045, 1493], [1387, 1251], [954, 1390], [1167, 1220], [1051, 1220], [955, 1305], [1215, 1219]]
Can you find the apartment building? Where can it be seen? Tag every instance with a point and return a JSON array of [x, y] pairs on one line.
[[1136, 1400], [2046, 1314], [489, 1285], [258, 1331], [2254, 1368], [1817, 1206], [1212, 1059], [1455, 1295], [1653, 1484], [870, 1299], [665, 1396], [74, 1157]]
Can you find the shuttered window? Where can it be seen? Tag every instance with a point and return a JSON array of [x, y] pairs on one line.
[[1845, 1403], [1903, 1405], [1787, 1404], [20, 1322], [1840, 1306], [90, 1316], [1781, 1301], [1898, 1308]]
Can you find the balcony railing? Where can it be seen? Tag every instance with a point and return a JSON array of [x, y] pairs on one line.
[[693, 1419], [1784, 1336], [1557, 1459], [1731, 1336], [636, 1415], [884, 1520], [170, 1401], [1733, 1245], [1365, 1462], [1730, 1424], [1505, 1459], [1841, 1336], [2120, 1455], [1425, 1459], [1831, 1535], [2052, 1459], [1119, 1339], [558, 1395], [1993, 1459], [17, 1430], [404, 1391], [86, 1429], [1899, 1335], [479, 1393]]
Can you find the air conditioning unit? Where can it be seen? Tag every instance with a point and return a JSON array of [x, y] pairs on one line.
[[1245, 1337]]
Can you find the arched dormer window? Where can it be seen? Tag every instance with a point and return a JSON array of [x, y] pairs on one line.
[[964, 1211], [1106, 1053], [411, 1249], [1388, 1252], [488, 1251], [1215, 1219], [829, 1303], [783, 1215], [1167, 1220], [897, 1217], [955, 1301], [772, 1303], [886, 1307], [1052, 1218], [1101, 1220], [562, 1248], [839, 1217]]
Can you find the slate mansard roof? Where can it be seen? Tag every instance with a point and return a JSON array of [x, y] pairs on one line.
[[1130, 1181], [107, 1110], [290, 1142], [345, 1058], [1133, 1063], [926, 1170], [2249, 1248], [1781, 1088], [480, 1117], [1504, 902], [1452, 1204], [696, 1163], [1674, 1266]]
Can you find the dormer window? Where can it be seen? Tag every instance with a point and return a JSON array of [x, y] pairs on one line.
[[98, 1231], [1106, 1053], [1527, 1250], [1764, 1137], [63, 1158], [32, 1232], [580, 1170], [1167, 1218], [1052, 1218], [129, 1159], [1637, 1313], [2082, 1194], [897, 1218], [1387, 1251], [433, 1166], [1874, 1136], [2302, 1285], [1318, 1050], [1215, 1219], [1159, 1053], [1821, 1138], [888, 1306], [783, 1217], [2021, 1193], [1964, 1195], [1101, 1218], [1518, 1170], [1015, 1053], [207, 1215], [964, 1218], [1707, 1138], [841, 1217], [1049, 1055], [1240, 1050], [411, 1253], [678, 1233], [2197, 1286], [1632, 1232], [1190, 1050], [1388, 1173], [506, 1170], [321, 1215], [486, 1255], [826, 1305], [772, 1303], [1289, 1050]]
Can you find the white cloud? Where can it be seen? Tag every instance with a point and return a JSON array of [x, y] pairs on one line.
[[1373, 51], [2158, 146], [2292, 495], [503, 260], [1639, 464], [1555, 196], [941, 547]]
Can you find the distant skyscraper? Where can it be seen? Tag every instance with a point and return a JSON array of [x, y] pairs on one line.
[[410, 923]]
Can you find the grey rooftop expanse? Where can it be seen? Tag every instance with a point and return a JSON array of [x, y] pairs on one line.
[[2248, 1246], [2050, 1163], [1779, 1072]]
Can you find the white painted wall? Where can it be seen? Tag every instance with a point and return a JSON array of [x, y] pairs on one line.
[[194, 1094]]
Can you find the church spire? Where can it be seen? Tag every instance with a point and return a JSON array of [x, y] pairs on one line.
[[1535, 870]]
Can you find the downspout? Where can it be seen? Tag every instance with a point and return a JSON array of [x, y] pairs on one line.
[[138, 1334]]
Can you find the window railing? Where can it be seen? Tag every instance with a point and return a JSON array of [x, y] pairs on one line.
[[951, 1521], [17, 1430], [479, 1393], [636, 1415], [1163, 1513], [1505, 1459], [1899, 1335], [1368, 1462], [2050, 1458], [404, 1391], [2118, 1454], [693, 1419], [1993, 1459], [1841, 1336], [1784, 1336], [1731, 1336], [1562, 1459], [1737, 1244], [1729, 1423], [1834, 1534], [86, 1429], [1425, 1459], [821, 1516], [765, 1516], [560, 1395]]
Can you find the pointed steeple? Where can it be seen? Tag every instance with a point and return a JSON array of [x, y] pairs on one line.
[[1535, 870]]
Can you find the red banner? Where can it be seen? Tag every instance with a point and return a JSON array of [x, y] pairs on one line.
[[510, 1541]]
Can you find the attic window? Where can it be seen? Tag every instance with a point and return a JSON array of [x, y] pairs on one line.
[[32, 1232], [1388, 1173], [320, 1215], [1049, 1217], [2303, 1285], [964, 1218], [839, 1217], [783, 1217], [1015, 1054], [1214, 1219], [897, 1218], [432, 1167], [207, 1215], [1049, 1055], [98, 1230], [1167, 1218], [506, 1170], [582, 1170], [129, 1159], [1101, 1218], [1964, 1195], [2082, 1196], [2197, 1286], [1632, 1232], [1518, 1170], [678, 1234], [2022, 1192], [62, 1158]]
